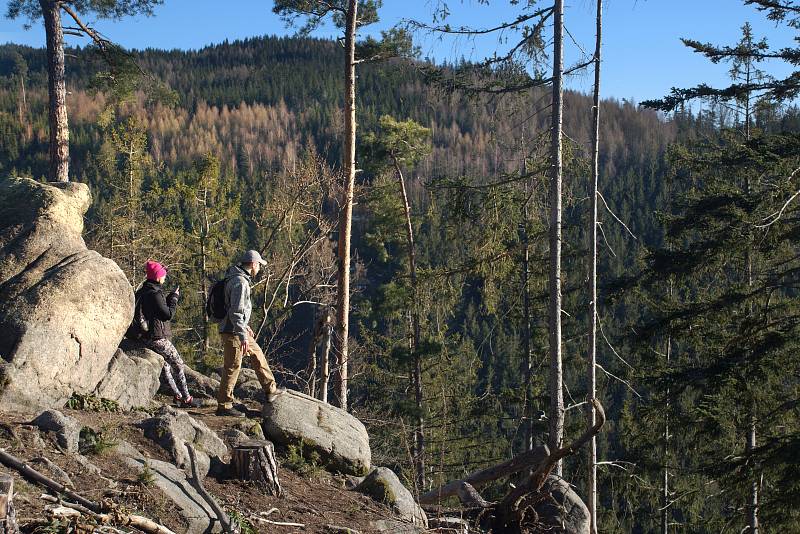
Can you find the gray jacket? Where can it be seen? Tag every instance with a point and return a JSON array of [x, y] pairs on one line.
[[237, 302]]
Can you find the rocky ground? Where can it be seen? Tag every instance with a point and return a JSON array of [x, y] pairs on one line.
[[102, 469]]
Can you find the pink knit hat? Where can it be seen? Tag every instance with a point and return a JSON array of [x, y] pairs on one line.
[[154, 270]]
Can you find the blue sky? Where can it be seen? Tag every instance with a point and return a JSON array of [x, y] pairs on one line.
[[644, 57]]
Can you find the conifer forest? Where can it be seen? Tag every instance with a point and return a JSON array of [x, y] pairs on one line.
[[473, 258]]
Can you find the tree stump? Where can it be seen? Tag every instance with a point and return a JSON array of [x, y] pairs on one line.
[[8, 522], [255, 461]]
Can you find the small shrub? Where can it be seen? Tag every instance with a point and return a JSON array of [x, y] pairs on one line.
[[93, 441], [245, 526], [146, 476], [91, 403]]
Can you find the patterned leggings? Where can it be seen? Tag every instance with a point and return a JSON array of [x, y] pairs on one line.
[[172, 362]]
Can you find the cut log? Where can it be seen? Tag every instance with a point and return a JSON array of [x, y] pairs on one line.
[[8, 523], [527, 460], [255, 461]]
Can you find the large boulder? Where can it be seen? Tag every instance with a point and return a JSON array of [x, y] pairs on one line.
[[133, 377], [383, 485], [67, 429], [340, 440], [563, 512], [172, 429], [63, 308]]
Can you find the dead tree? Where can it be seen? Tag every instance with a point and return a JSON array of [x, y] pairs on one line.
[[255, 461]]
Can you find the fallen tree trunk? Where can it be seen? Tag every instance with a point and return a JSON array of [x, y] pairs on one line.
[[197, 483], [526, 460]]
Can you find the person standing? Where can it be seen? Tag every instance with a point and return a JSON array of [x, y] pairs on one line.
[[237, 336], [159, 310]]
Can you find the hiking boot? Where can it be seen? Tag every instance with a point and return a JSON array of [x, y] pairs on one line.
[[275, 394], [228, 412]]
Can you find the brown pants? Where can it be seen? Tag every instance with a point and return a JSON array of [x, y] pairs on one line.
[[233, 354]]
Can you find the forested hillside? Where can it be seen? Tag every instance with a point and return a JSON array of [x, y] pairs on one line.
[[245, 154]]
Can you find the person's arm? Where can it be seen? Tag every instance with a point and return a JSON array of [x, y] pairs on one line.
[[239, 293]]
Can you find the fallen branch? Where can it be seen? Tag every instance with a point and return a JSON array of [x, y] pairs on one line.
[[35, 476], [277, 523], [122, 520], [519, 463], [197, 483], [507, 511]]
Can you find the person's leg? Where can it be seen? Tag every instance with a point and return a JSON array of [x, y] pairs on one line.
[[232, 365], [157, 346], [259, 363], [176, 362]]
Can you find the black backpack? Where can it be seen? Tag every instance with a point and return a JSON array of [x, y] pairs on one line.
[[140, 327], [215, 303]]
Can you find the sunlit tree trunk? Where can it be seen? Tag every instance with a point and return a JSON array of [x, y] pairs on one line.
[[592, 363], [57, 92], [556, 370], [346, 217]]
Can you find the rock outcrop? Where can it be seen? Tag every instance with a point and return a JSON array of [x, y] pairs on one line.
[[383, 485], [340, 440], [63, 308], [133, 377], [172, 429]]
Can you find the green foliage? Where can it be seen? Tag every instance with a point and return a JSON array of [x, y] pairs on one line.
[[302, 459], [94, 441], [146, 477], [242, 524], [91, 403]]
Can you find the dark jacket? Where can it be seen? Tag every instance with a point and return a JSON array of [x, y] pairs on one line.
[[157, 309]]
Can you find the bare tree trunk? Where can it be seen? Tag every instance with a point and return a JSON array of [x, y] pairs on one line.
[[556, 370], [204, 270], [57, 92], [527, 407], [419, 434], [346, 217], [23, 102], [325, 363], [592, 364]]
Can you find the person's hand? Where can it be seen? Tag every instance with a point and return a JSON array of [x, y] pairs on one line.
[[177, 291], [245, 347], [250, 331]]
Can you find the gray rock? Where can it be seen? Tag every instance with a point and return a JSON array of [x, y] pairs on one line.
[[335, 529], [396, 527], [200, 385], [63, 308], [383, 485], [67, 429], [249, 390], [133, 377], [194, 510], [234, 437], [124, 448], [172, 429], [339, 438], [564, 512]]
